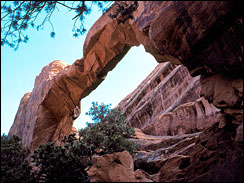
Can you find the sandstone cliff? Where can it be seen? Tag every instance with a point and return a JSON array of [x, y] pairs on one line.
[[168, 102], [163, 90]]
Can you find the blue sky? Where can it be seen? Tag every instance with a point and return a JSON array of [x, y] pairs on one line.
[[19, 68]]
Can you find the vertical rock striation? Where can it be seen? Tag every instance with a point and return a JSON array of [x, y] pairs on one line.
[[168, 102], [164, 89]]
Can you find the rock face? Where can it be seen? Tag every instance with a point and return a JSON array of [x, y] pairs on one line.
[[167, 103], [187, 118], [166, 87], [156, 150], [116, 167], [226, 93], [193, 34], [205, 36], [213, 155], [34, 122], [217, 157], [142, 176]]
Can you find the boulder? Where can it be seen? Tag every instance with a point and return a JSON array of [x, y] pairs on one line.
[[142, 176], [116, 167]]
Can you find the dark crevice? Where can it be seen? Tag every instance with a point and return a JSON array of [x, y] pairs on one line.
[[118, 161], [203, 108], [203, 143], [148, 167], [185, 163]]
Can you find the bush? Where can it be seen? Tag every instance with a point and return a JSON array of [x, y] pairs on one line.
[[65, 163], [109, 132], [14, 167]]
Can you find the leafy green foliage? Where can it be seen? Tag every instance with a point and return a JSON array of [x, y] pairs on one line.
[[65, 163], [14, 167], [98, 112], [18, 16], [109, 132]]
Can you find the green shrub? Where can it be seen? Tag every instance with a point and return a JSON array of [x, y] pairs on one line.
[[109, 132], [14, 167], [65, 163]]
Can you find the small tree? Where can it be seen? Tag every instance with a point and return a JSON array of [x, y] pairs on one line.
[[14, 167], [65, 163], [98, 112], [108, 133]]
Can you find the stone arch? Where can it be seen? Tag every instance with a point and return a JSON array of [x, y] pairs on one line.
[[178, 32]]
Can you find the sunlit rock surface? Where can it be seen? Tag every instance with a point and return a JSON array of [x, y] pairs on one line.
[[34, 122], [164, 89], [168, 102]]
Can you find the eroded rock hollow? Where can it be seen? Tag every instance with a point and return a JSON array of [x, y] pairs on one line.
[[206, 37]]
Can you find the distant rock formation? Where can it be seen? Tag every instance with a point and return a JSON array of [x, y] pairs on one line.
[[187, 118], [168, 102], [166, 87]]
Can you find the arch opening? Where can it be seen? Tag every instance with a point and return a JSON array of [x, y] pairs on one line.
[[119, 82]]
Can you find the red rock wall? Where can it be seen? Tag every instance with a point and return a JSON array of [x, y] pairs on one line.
[[168, 102], [187, 118], [167, 87]]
